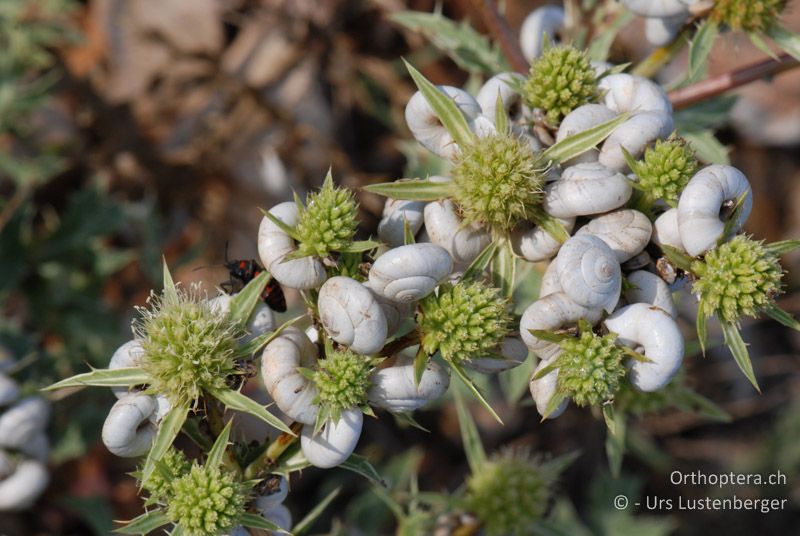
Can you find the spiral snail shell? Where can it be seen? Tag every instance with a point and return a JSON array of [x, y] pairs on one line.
[[394, 389], [544, 21], [394, 311], [552, 312], [579, 120], [463, 242], [702, 202], [127, 431], [549, 284], [543, 389], [292, 392], [512, 349], [589, 272], [625, 231], [335, 442], [397, 213], [426, 127], [534, 244], [587, 188], [409, 273], [23, 421], [351, 315], [274, 244], [129, 355], [646, 287], [501, 85], [666, 231], [21, 483]]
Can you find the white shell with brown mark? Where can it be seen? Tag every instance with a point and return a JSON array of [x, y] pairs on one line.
[[552, 312], [393, 388], [426, 127], [648, 288], [335, 442], [396, 214], [351, 315], [625, 231], [409, 273], [464, 242], [292, 392], [589, 272], [127, 431], [584, 189]]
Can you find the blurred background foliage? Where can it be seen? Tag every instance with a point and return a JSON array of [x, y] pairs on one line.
[[135, 129]]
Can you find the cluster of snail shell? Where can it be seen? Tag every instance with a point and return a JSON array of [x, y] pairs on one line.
[[24, 447]]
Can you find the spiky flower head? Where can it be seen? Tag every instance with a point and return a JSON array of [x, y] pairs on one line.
[[561, 79], [342, 380], [666, 168], [590, 367], [498, 180], [207, 501], [463, 321], [188, 347], [747, 15], [739, 278], [172, 466], [508, 493], [328, 221]]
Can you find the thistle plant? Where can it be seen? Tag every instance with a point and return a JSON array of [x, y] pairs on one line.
[[327, 221], [664, 170]]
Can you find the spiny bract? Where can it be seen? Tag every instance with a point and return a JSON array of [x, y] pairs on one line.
[[739, 278], [590, 368]]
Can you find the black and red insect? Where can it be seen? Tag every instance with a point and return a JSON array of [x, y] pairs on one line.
[[245, 270]]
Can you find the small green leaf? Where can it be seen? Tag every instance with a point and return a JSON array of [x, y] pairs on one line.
[[360, 246], [255, 521], [308, 521], [690, 400], [408, 236], [550, 336], [788, 40], [706, 145], [733, 218], [581, 142], [481, 262], [779, 315], [699, 51], [420, 362], [262, 340], [544, 371], [552, 404], [551, 225], [444, 107], [702, 328], [145, 523], [500, 114], [244, 302], [504, 268], [470, 438], [413, 189], [739, 350], [239, 402], [760, 44], [600, 45], [281, 225], [677, 258], [474, 389], [217, 452], [168, 430], [362, 466], [122, 377], [782, 247], [170, 292], [615, 440], [636, 356]]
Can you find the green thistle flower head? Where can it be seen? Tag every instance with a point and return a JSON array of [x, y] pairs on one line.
[[561, 79], [498, 180], [747, 15], [188, 348], [463, 321], [590, 368], [508, 493], [343, 380], [207, 501], [738, 278], [173, 465], [328, 221], [666, 168]]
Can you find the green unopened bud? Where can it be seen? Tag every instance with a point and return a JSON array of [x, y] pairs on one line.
[[508, 493], [561, 79], [188, 348], [590, 368], [343, 380], [328, 221], [463, 321], [207, 501], [747, 15], [498, 180], [739, 278], [666, 168]]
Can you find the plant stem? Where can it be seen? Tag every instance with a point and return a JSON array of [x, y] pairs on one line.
[[663, 55], [716, 85], [270, 456], [409, 339], [498, 27]]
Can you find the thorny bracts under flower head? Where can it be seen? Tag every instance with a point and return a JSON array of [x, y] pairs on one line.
[[188, 347]]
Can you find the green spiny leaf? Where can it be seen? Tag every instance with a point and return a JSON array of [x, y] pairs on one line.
[[577, 144], [470, 438], [239, 402], [413, 189], [474, 389], [504, 268], [215, 456], [168, 430], [244, 302], [739, 350], [145, 523], [779, 315], [122, 377]]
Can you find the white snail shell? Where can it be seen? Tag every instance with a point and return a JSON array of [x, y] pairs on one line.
[[534, 244], [409, 273], [394, 311], [280, 515], [550, 284], [702, 200], [653, 329], [543, 389], [589, 272], [625, 231], [579, 120], [514, 351], [545, 20], [335, 442], [129, 355], [652, 290], [37, 448], [651, 119], [351, 315], [393, 388], [659, 31], [261, 320], [426, 127], [23, 421], [9, 390], [463, 242], [586, 188], [396, 213], [274, 245], [22, 484], [666, 231], [127, 431], [291, 391], [552, 312], [264, 502], [500, 84], [657, 8]]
